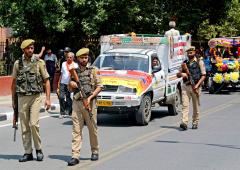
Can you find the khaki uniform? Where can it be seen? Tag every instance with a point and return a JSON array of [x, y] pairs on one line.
[[81, 115], [188, 94], [28, 107]]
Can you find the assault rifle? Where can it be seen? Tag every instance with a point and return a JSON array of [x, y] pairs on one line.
[[15, 117], [81, 91], [190, 78]]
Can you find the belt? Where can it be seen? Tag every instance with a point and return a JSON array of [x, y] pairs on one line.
[[27, 94]]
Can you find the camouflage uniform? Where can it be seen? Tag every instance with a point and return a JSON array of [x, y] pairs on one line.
[[89, 81], [29, 86], [196, 69]]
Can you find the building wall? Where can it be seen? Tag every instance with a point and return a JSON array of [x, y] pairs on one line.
[[5, 85], [5, 33]]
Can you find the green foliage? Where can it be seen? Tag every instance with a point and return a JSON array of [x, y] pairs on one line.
[[227, 27], [68, 21]]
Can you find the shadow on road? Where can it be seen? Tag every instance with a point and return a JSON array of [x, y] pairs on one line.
[[159, 114], [64, 158], [208, 144], [117, 120], [172, 127], [120, 120], [123, 120], [9, 157], [69, 122], [60, 157]]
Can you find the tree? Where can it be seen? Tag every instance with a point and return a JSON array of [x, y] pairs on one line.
[[69, 21], [227, 27]]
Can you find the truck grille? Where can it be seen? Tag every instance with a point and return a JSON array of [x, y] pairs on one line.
[[103, 97], [110, 88]]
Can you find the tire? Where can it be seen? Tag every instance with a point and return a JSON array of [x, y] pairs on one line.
[[143, 114], [175, 108]]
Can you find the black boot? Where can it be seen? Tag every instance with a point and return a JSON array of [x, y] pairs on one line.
[[183, 126], [73, 162], [194, 126], [94, 157], [39, 155], [26, 157]]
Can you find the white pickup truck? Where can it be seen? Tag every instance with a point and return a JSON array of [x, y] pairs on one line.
[[132, 85]]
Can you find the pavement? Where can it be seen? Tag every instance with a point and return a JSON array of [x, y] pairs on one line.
[[6, 111]]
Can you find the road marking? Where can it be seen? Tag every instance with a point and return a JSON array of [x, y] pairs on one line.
[[41, 117], [137, 141], [142, 139]]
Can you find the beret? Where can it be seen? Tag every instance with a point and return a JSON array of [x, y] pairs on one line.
[[82, 51], [191, 48], [26, 43]]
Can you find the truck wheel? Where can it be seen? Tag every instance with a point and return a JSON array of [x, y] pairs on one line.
[[175, 108], [143, 114]]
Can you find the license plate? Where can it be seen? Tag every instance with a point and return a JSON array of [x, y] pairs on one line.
[[104, 102]]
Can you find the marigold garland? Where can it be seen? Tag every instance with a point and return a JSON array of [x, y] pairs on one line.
[[218, 78], [227, 77], [234, 77]]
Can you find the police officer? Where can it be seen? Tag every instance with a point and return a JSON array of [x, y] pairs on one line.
[[84, 109], [193, 73], [29, 74]]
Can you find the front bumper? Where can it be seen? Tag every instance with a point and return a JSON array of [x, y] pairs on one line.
[[117, 103]]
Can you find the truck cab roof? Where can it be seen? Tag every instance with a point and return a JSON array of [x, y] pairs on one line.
[[131, 51]]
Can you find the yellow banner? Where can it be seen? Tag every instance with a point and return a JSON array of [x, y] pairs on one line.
[[128, 82]]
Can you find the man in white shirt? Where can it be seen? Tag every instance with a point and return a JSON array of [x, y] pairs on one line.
[[172, 31], [65, 100]]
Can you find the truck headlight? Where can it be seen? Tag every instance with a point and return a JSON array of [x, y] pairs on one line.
[[124, 89]]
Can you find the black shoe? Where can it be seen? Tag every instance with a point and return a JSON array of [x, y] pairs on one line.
[[194, 126], [94, 157], [39, 155], [73, 162], [26, 157], [183, 126]]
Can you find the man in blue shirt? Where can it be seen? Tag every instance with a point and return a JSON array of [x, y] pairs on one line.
[[51, 63]]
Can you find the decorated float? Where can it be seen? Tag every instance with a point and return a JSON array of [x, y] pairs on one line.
[[225, 68]]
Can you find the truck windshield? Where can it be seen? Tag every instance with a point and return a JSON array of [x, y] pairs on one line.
[[122, 62]]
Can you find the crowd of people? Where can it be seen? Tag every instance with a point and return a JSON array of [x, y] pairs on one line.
[[212, 56]]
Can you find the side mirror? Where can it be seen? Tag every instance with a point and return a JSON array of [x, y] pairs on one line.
[[156, 68]]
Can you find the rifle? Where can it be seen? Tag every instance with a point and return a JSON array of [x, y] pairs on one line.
[[81, 91], [192, 82], [15, 117]]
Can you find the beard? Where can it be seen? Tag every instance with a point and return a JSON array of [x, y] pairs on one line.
[[84, 64], [190, 56], [29, 54]]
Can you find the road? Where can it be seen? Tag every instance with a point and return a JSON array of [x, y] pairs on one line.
[[160, 145]]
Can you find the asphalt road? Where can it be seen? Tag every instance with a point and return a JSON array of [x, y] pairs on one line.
[[160, 145]]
